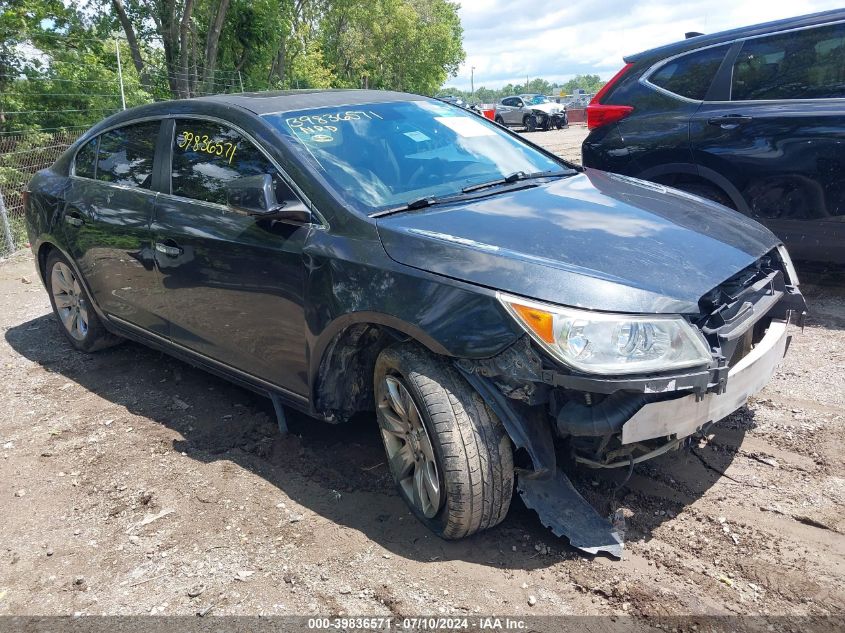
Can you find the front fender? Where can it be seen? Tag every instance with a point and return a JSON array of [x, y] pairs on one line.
[[349, 282]]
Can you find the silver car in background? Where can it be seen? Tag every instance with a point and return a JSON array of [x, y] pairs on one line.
[[530, 111]]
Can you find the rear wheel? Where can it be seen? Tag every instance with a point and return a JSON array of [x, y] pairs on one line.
[[500, 120], [73, 308], [449, 455]]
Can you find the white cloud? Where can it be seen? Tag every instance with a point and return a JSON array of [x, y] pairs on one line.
[[507, 41]]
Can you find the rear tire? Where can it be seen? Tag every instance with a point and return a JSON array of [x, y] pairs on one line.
[[472, 453], [500, 120], [72, 307]]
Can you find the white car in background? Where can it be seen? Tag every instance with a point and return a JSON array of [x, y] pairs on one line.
[[530, 111]]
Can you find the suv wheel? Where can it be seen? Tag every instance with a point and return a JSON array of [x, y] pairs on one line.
[[530, 122], [449, 454], [500, 120], [73, 308]]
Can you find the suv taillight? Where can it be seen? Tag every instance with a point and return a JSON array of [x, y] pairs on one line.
[[599, 114]]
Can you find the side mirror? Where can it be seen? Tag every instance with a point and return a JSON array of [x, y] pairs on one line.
[[256, 196]]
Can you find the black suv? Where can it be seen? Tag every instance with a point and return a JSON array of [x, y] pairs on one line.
[[753, 118]]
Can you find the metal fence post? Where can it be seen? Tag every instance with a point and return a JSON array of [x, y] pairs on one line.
[[7, 229], [120, 73]]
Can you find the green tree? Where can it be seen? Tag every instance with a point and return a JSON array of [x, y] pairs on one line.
[[589, 83], [411, 45]]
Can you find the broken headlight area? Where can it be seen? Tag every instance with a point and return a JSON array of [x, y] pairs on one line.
[[554, 411], [580, 367]]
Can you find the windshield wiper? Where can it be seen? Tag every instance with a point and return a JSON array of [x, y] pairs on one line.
[[419, 203], [515, 177], [430, 201]]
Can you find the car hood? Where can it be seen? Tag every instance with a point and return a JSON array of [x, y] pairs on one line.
[[550, 108], [594, 240]]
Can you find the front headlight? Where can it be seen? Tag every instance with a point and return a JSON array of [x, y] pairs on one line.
[[610, 344]]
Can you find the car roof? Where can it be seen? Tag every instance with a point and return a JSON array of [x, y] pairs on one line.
[[258, 103], [288, 100], [699, 41]]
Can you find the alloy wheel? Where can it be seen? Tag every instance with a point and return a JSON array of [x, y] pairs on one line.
[[408, 446], [71, 306]]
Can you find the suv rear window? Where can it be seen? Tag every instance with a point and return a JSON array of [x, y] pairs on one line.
[[807, 64], [690, 75]]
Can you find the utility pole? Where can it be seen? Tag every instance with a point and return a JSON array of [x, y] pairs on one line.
[[120, 74], [472, 80], [241, 81]]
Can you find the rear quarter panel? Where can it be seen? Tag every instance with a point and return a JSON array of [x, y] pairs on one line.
[[43, 213]]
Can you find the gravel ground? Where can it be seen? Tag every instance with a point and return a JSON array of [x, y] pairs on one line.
[[132, 483], [565, 142]]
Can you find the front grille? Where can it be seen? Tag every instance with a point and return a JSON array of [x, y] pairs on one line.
[[736, 314]]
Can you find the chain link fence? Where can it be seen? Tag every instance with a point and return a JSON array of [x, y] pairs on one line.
[[21, 155]]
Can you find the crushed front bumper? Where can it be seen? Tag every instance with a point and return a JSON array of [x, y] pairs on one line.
[[684, 416]]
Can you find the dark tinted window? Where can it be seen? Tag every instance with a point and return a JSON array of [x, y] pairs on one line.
[[690, 75], [85, 157], [207, 155], [808, 64], [126, 155], [511, 101]]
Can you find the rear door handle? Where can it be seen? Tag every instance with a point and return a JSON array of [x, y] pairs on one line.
[[168, 250], [74, 219], [730, 121]]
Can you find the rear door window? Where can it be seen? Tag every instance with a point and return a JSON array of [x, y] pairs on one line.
[[125, 156], [208, 155], [690, 75], [85, 160], [807, 64]]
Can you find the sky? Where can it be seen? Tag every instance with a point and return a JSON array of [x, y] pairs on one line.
[[507, 40]]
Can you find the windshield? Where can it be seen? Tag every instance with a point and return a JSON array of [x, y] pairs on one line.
[[538, 99], [385, 155]]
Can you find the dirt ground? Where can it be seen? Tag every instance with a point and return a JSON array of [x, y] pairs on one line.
[[132, 483], [565, 143]]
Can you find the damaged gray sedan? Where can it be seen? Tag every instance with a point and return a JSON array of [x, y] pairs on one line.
[[502, 311]]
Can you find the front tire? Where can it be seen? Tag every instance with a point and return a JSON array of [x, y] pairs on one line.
[[530, 122], [73, 309], [449, 454]]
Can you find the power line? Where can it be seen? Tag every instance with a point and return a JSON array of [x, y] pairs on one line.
[[56, 130], [61, 111], [75, 81], [62, 36], [59, 94]]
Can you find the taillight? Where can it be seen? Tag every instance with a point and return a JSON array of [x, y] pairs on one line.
[[599, 114]]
